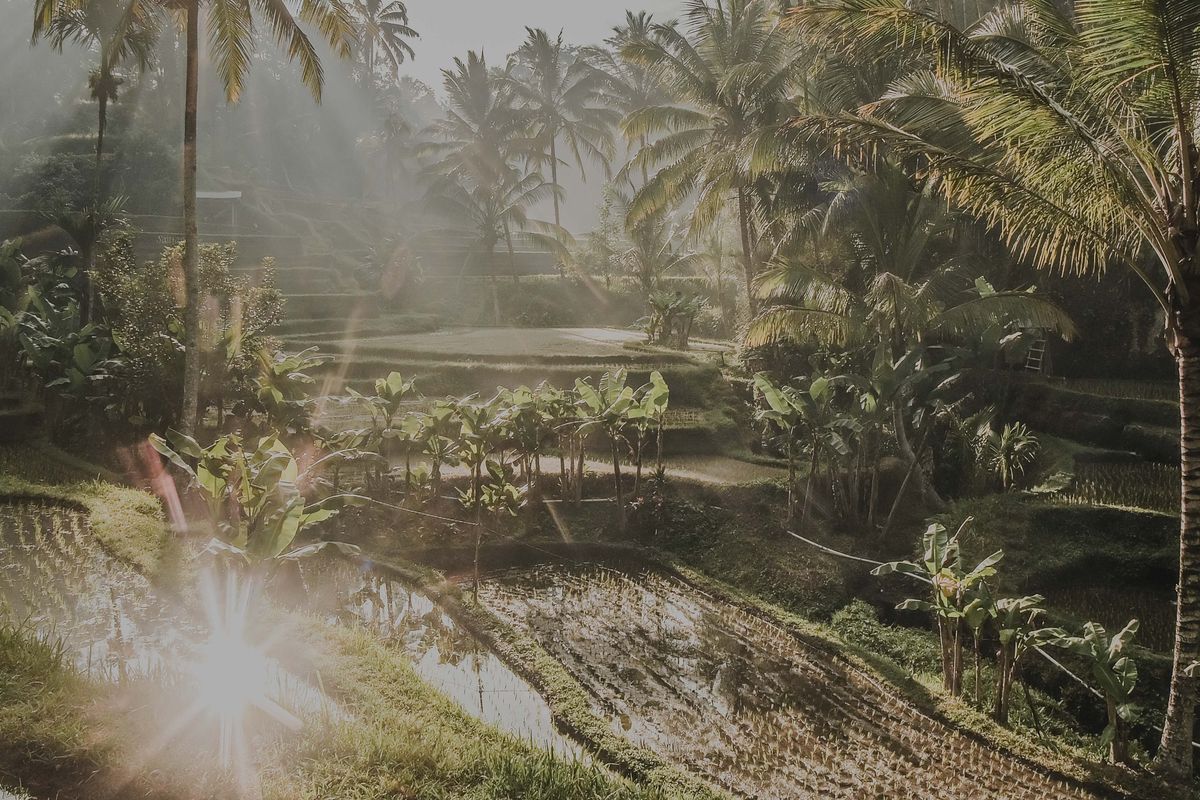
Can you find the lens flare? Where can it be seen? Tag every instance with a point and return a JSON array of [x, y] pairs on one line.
[[231, 676]]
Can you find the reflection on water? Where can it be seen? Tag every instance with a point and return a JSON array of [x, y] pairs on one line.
[[444, 654], [55, 578], [742, 701]]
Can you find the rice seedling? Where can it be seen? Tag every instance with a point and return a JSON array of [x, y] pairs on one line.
[[1138, 485], [1126, 389], [741, 701]]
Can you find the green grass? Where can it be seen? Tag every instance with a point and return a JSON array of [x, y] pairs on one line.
[[128, 523], [44, 733]]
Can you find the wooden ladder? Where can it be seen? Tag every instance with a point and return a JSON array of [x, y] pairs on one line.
[[1036, 356]]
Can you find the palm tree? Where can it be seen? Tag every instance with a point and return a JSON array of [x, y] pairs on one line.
[[383, 30], [651, 248], [731, 78], [562, 95], [1073, 132], [478, 147], [483, 134], [231, 42], [122, 33], [627, 86], [493, 211]]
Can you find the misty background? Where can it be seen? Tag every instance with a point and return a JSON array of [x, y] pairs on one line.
[[275, 138]]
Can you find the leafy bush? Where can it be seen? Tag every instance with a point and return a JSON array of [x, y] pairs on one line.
[[144, 306], [914, 650]]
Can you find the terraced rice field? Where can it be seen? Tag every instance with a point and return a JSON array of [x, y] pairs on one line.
[[745, 703], [55, 578]]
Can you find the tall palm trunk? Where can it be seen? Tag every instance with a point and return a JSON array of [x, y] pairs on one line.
[[747, 248], [554, 177], [1175, 752], [191, 261]]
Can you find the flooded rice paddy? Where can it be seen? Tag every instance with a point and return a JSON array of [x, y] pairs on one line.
[[743, 702], [443, 653], [56, 580], [723, 693]]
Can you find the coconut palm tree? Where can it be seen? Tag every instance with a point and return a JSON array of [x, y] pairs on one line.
[[483, 133], [383, 30], [493, 211], [730, 76], [562, 95], [231, 43], [479, 149], [626, 85], [121, 33], [1073, 132]]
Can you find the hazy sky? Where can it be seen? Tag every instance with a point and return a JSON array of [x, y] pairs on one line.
[[450, 28]]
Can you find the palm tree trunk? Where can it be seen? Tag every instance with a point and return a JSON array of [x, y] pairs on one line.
[[928, 494], [191, 266], [1175, 751], [512, 253], [791, 492], [747, 248], [554, 177]]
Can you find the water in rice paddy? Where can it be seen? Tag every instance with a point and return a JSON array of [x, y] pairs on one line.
[[743, 702]]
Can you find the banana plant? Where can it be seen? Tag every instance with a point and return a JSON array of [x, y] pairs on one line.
[[806, 415], [385, 407], [253, 495], [567, 419], [437, 435], [1109, 663], [956, 592], [531, 426], [283, 387], [649, 412], [498, 495], [1017, 633], [607, 408]]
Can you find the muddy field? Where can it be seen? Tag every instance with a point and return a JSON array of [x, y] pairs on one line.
[[743, 702]]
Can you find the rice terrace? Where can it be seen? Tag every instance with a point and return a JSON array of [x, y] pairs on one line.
[[554, 400]]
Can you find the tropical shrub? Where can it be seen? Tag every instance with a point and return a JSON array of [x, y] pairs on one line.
[[1010, 452], [143, 303]]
